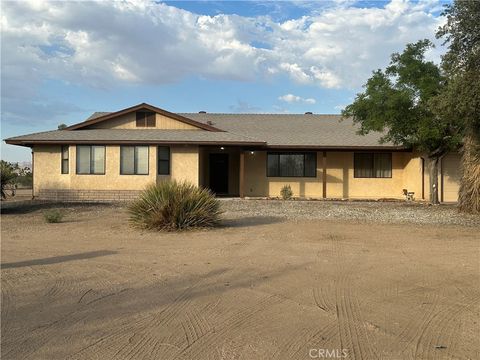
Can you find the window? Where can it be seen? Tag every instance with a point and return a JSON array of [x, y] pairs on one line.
[[292, 164], [134, 160], [90, 159], [64, 159], [163, 160], [373, 165], [145, 119]]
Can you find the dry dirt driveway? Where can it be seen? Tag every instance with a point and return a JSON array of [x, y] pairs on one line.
[[266, 288]]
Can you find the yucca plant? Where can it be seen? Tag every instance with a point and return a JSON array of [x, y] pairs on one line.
[[175, 205]]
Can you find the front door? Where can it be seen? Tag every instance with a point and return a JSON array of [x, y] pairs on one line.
[[219, 173]]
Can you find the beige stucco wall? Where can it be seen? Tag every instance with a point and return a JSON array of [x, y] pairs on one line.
[[47, 169], [406, 173], [185, 164], [190, 163], [258, 184], [341, 182], [128, 121], [451, 177], [412, 174]]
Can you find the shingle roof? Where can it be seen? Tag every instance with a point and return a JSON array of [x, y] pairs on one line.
[[97, 114], [134, 135], [272, 130], [293, 129]]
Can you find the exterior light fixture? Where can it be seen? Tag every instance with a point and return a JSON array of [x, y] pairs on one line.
[[222, 148], [252, 152]]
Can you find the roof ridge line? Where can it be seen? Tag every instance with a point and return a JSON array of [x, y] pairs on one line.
[[281, 114]]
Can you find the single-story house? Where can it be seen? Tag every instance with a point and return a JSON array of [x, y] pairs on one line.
[[111, 156]]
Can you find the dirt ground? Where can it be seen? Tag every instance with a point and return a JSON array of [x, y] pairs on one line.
[[262, 287]]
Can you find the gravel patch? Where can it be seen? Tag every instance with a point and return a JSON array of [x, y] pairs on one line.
[[383, 212], [257, 210]]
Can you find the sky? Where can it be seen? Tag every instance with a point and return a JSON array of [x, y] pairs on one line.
[[63, 60]]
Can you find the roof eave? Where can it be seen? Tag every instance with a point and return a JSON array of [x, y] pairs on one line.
[[339, 147], [30, 143]]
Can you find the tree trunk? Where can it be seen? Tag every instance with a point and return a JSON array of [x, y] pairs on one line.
[[469, 192], [434, 162]]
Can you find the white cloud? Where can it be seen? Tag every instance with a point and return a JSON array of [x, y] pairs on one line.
[[145, 42], [290, 98]]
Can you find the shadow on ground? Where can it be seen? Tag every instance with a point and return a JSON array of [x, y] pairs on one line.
[[26, 207], [58, 259], [246, 221]]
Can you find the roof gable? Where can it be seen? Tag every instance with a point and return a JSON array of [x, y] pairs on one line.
[[108, 116]]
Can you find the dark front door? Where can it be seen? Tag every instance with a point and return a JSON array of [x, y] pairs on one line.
[[219, 173]]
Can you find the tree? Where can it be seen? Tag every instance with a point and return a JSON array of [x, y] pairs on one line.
[[461, 96], [8, 176], [62, 126], [398, 103]]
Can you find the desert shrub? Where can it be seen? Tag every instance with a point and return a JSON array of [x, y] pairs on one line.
[[8, 176], [172, 205], [53, 216], [286, 192]]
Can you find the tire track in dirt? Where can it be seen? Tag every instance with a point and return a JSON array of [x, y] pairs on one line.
[[146, 328], [416, 325], [8, 309], [195, 327], [298, 344], [323, 299], [29, 342], [317, 340], [230, 328], [297, 347], [292, 344], [439, 332], [351, 329]]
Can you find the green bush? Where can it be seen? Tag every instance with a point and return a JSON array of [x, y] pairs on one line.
[[174, 206], [8, 176], [286, 192], [53, 216]]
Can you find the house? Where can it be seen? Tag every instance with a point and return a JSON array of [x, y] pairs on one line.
[[111, 156]]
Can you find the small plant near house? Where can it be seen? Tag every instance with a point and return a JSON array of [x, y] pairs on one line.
[[53, 216], [175, 206], [286, 192]]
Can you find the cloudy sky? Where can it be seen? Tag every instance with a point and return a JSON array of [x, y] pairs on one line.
[[63, 60]]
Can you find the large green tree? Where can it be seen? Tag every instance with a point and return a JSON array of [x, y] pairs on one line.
[[397, 101], [460, 98]]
